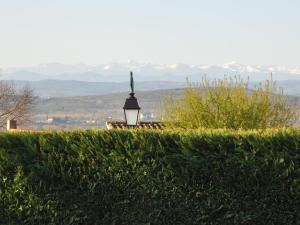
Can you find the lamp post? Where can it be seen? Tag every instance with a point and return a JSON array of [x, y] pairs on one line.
[[131, 106]]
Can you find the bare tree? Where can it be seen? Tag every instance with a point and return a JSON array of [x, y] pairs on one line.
[[15, 103]]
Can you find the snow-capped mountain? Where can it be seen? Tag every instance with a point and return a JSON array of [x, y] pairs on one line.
[[71, 80], [118, 72]]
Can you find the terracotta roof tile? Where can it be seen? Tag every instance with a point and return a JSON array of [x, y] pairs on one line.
[[141, 125]]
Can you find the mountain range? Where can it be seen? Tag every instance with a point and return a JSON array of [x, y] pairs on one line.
[[55, 79], [118, 72]]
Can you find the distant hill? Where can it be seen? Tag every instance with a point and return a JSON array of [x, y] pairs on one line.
[[148, 100], [63, 88], [290, 87]]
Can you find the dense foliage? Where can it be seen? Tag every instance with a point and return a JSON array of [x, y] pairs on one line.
[[229, 103], [146, 177]]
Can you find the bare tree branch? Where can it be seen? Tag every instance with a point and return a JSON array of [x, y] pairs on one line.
[[15, 103]]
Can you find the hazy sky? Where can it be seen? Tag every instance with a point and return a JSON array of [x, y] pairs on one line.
[[260, 32]]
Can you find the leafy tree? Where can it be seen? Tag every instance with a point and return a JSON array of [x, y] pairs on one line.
[[229, 103]]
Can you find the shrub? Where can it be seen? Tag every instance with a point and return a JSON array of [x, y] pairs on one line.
[[143, 177], [229, 103]]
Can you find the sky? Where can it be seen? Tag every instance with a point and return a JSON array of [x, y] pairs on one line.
[[252, 32]]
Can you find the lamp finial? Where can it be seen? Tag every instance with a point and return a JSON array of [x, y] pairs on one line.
[[131, 82]]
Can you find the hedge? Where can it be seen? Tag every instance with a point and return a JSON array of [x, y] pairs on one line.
[[150, 177]]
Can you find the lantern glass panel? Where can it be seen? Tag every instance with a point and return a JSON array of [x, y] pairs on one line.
[[131, 116]]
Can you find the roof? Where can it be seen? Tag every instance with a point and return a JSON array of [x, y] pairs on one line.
[[141, 125]]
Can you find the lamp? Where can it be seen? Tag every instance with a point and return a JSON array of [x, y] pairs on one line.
[[131, 106]]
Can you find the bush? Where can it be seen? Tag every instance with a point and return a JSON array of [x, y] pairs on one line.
[[144, 177], [228, 103]]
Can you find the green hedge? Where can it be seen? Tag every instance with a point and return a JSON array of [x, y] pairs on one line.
[[146, 177]]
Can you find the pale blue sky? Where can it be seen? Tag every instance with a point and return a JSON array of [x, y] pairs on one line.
[[260, 32]]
